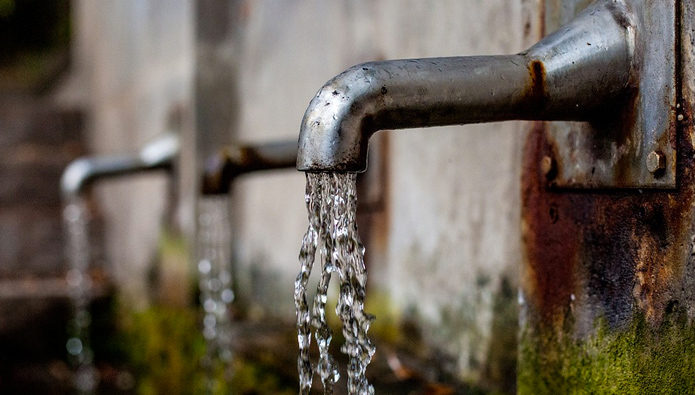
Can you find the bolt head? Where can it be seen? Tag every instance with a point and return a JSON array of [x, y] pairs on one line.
[[548, 166], [656, 161]]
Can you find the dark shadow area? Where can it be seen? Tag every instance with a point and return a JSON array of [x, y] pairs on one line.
[[34, 43]]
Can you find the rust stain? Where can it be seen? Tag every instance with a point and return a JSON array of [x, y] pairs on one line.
[[621, 249], [546, 222], [224, 167], [536, 92], [216, 175], [537, 72]]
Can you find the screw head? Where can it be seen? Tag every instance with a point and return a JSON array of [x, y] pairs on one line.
[[548, 167], [656, 161]]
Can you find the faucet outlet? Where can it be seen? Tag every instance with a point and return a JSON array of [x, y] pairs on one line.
[[222, 168], [606, 78]]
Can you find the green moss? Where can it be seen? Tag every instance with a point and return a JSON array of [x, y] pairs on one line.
[[173, 279], [499, 372], [164, 348], [387, 324], [259, 379], [6, 8], [639, 359]]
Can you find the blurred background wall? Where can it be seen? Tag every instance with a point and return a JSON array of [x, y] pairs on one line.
[[133, 73]]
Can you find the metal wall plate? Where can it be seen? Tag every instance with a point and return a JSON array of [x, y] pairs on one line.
[[635, 148]]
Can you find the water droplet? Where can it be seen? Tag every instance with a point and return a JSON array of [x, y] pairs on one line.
[[227, 296], [215, 285], [204, 266], [83, 319], [213, 246], [72, 212], [74, 346], [226, 355], [209, 333], [76, 219], [87, 379], [74, 278], [209, 320], [209, 305], [303, 341], [225, 277]]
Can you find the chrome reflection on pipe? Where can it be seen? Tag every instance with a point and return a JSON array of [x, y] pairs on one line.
[[80, 173], [579, 73]]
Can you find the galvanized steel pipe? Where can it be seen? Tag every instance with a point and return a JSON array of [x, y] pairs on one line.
[[82, 172], [232, 161], [577, 73]]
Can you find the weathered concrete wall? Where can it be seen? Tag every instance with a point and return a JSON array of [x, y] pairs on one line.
[[453, 245], [133, 65]]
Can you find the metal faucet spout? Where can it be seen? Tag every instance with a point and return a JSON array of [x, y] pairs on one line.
[[82, 172], [579, 73], [221, 169]]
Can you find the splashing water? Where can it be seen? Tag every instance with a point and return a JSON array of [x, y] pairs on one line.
[[80, 356], [332, 206], [215, 278]]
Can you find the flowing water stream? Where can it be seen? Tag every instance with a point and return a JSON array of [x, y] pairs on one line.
[[332, 204], [215, 277], [80, 356]]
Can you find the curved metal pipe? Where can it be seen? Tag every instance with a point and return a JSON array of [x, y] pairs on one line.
[[82, 172], [222, 168], [579, 73]]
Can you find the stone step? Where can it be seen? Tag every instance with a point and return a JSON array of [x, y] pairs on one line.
[[29, 120], [46, 288], [38, 139], [33, 242]]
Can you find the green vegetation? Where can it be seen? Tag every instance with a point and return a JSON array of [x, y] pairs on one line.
[[6, 8], [640, 359], [164, 348], [500, 368], [258, 379]]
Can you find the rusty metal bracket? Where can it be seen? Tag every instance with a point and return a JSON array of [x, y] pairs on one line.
[[634, 147]]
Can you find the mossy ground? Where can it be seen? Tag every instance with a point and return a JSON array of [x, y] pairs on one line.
[[164, 348], [639, 359]]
